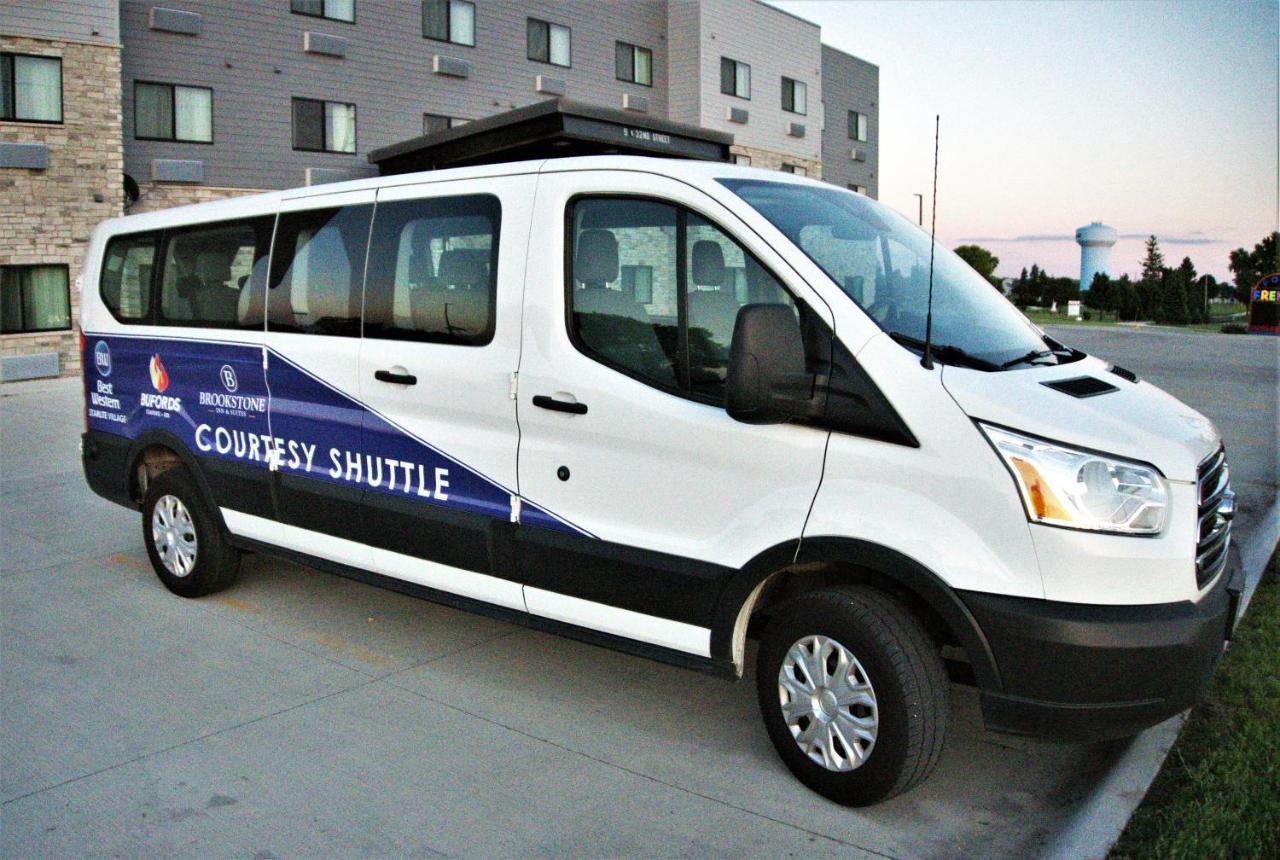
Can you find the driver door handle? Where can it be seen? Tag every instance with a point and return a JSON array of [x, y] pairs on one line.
[[545, 402], [397, 378]]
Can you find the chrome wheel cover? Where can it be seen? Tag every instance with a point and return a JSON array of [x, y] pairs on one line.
[[828, 703], [174, 535]]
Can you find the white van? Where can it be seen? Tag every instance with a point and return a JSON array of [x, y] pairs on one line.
[[666, 407]]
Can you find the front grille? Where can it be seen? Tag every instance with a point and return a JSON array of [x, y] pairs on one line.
[[1214, 537]]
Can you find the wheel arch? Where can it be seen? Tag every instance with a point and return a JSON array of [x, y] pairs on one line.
[[824, 561], [154, 451]]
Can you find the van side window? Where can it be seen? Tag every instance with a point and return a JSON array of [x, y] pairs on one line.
[[433, 270], [629, 321], [125, 282], [214, 276], [656, 290], [317, 271]]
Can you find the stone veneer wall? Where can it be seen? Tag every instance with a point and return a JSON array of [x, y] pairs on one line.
[[773, 160], [47, 216], [163, 195]]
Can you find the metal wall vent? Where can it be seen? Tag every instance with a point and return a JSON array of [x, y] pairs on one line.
[[1081, 386]]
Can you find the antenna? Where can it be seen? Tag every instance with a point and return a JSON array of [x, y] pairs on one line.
[[927, 361]]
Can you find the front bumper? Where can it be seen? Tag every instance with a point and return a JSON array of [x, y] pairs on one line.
[[1077, 672]]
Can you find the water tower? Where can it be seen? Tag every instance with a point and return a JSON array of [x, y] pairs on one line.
[[1095, 243]]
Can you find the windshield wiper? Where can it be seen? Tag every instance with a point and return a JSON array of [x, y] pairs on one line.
[[1028, 358], [946, 352]]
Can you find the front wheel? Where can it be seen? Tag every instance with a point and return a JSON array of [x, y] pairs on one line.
[[853, 694], [187, 547]]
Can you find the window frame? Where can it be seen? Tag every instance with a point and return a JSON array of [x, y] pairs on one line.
[[9, 112], [324, 17], [683, 372], [66, 280], [548, 24], [855, 126], [448, 22], [149, 317], [485, 337], [736, 64], [633, 50], [257, 223], [173, 113], [324, 131], [789, 86]]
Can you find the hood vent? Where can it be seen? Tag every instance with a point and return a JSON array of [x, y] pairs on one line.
[[1081, 386], [1123, 372]]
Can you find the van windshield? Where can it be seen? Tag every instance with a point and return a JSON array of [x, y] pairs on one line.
[[881, 261]]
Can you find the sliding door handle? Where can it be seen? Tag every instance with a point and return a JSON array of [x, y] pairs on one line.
[[573, 408], [397, 378]]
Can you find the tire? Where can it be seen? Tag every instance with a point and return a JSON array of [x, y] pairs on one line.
[[193, 557], [891, 714]]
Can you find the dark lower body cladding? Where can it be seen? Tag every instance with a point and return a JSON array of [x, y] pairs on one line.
[[105, 458], [1075, 672]]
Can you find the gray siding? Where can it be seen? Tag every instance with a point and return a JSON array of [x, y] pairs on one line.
[[386, 73], [684, 96], [850, 84], [78, 20], [774, 43]]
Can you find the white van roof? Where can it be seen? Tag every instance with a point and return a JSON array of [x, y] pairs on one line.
[[697, 172]]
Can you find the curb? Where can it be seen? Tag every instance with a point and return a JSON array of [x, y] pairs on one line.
[[1097, 821]]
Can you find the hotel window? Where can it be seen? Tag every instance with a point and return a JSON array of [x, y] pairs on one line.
[[858, 189], [549, 43], [794, 168], [858, 126], [335, 10], [449, 21], [794, 96], [634, 64], [434, 122], [320, 126], [744, 160], [735, 78], [34, 298], [171, 112], [30, 88]]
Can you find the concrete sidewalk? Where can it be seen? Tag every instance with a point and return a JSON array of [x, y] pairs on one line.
[[300, 713]]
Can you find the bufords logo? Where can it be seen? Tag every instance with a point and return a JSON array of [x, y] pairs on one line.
[[159, 381], [159, 376], [102, 358]]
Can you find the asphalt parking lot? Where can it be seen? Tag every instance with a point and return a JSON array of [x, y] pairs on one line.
[[300, 713]]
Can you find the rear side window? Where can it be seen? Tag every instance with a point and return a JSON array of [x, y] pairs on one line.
[[433, 270], [215, 275], [655, 292], [317, 271], [125, 282]]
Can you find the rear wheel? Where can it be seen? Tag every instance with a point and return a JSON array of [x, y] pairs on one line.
[[853, 694], [186, 544]]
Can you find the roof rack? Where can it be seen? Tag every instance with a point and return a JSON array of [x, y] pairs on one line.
[[555, 128]]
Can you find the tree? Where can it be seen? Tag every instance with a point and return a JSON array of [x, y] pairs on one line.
[[1125, 299], [1251, 267], [1153, 263], [1193, 290], [982, 261], [1101, 295], [1171, 302]]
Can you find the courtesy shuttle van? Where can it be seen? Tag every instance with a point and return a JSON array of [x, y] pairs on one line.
[[670, 407]]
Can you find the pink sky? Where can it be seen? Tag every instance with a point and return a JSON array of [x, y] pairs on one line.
[[1151, 117]]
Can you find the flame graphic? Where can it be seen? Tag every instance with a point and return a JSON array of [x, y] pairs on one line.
[[159, 376]]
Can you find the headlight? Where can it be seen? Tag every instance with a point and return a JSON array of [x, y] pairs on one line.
[[1064, 486]]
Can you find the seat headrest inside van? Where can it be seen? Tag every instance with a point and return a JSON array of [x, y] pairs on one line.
[[708, 264], [463, 267], [596, 262]]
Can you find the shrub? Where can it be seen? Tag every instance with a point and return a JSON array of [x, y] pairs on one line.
[[1086, 316], [1234, 328]]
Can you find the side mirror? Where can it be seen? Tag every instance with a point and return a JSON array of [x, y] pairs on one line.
[[767, 383]]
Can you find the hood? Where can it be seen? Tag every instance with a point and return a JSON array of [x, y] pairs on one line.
[[1137, 420]]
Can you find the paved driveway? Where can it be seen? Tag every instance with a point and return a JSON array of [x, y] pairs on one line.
[[300, 713]]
